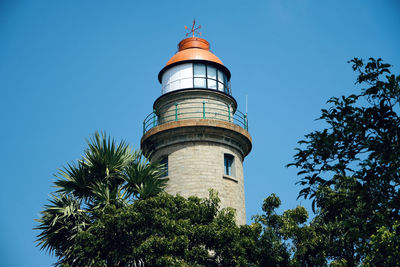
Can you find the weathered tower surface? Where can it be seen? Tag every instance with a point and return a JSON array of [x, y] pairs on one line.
[[196, 129]]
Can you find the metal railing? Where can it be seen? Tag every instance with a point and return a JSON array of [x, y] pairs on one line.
[[195, 110]]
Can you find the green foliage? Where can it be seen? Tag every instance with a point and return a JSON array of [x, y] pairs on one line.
[[165, 230], [109, 210], [107, 174], [286, 240], [351, 169], [384, 247]]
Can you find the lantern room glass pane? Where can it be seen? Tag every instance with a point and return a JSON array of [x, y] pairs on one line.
[[212, 84], [186, 71], [175, 75], [199, 70], [226, 89], [178, 77], [187, 83], [174, 85], [221, 76], [211, 72], [212, 77], [166, 77], [221, 87], [199, 82]]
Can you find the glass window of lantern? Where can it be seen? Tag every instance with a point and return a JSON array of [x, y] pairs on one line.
[[186, 76], [212, 84], [220, 87], [226, 83], [220, 76], [199, 70], [211, 72], [226, 89], [175, 75], [199, 82], [166, 77], [212, 77], [174, 85], [186, 71], [187, 83], [220, 81]]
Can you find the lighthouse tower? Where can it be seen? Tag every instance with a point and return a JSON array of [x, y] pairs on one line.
[[195, 128]]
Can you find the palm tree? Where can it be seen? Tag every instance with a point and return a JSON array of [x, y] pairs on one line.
[[107, 174]]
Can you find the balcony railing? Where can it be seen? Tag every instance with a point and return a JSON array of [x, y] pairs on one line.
[[195, 110]]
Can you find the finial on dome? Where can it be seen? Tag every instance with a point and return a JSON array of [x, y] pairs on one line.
[[194, 29]]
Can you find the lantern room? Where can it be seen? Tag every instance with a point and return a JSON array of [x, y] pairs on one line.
[[194, 67]]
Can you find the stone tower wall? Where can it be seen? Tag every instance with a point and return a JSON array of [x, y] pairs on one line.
[[196, 167], [194, 104], [195, 146]]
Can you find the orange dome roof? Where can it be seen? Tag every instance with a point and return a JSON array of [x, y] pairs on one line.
[[193, 48]]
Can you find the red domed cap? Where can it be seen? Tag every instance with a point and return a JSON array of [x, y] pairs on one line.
[[193, 48]]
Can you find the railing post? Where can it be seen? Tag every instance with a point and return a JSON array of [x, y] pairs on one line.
[[176, 111], [245, 122], [229, 113], [204, 109], [154, 118], [144, 127]]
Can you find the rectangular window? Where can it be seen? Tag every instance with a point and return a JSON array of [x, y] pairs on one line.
[[212, 77], [212, 84], [211, 72], [187, 83], [226, 87], [221, 76], [221, 87], [199, 70], [164, 164], [228, 164], [199, 83]]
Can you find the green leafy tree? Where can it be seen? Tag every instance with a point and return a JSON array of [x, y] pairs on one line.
[[286, 239], [384, 247], [350, 170], [272, 250], [107, 174], [165, 230], [108, 211]]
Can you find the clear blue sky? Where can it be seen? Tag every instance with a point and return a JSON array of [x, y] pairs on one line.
[[69, 68]]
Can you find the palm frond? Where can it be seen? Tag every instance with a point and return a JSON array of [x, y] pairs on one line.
[[103, 195], [74, 178], [144, 179], [60, 221], [105, 157], [109, 173]]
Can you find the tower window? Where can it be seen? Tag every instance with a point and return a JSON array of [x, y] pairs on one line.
[[164, 163], [199, 71], [195, 75], [228, 164], [212, 77]]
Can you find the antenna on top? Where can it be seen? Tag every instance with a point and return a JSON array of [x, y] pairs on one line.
[[246, 104], [194, 29]]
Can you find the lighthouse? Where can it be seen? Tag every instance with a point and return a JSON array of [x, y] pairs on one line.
[[196, 129]]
